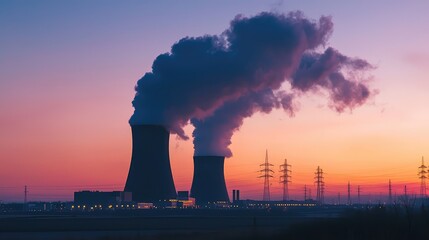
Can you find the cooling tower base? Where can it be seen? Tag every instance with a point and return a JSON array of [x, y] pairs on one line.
[[149, 178], [208, 184]]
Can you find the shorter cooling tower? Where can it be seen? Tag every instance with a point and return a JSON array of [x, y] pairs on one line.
[[150, 178], [208, 184]]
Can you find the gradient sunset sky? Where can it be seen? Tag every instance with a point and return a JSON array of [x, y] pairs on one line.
[[67, 76]]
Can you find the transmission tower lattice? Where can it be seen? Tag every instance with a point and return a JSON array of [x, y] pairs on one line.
[[25, 198], [285, 179], [349, 200], [266, 174], [390, 192], [422, 175], [320, 185], [305, 193], [358, 192]]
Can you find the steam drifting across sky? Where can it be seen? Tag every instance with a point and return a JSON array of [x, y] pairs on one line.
[[217, 81]]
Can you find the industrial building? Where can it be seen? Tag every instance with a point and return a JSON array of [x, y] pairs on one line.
[[184, 201], [235, 195], [97, 198]]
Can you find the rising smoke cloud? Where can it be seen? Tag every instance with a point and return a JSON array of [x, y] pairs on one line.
[[338, 74], [217, 81], [212, 135], [330, 70], [201, 74]]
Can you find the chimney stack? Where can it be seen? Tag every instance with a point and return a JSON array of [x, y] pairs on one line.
[[233, 196]]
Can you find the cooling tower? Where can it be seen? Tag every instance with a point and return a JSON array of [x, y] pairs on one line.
[[150, 178], [208, 184]]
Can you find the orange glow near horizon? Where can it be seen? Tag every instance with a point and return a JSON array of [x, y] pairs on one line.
[[360, 147], [66, 92], [367, 147]]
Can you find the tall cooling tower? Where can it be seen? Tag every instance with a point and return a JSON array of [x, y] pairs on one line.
[[150, 178], [208, 184]]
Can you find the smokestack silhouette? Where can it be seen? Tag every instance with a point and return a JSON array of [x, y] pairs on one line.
[[208, 184], [150, 178]]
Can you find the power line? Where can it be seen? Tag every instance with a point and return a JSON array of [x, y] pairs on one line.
[[285, 179], [305, 192], [339, 198], [266, 174], [349, 201], [422, 176], [405, 191], [358, 192], [25, 197], [390, 192], [320, 185]]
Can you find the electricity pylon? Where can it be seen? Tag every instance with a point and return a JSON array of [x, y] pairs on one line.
[[266, 174], [285, 179], [422, 176], [320, 185]]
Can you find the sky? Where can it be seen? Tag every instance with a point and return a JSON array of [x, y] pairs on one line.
[[68, 71]]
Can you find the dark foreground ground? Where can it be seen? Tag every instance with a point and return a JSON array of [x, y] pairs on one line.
[[315, 223]]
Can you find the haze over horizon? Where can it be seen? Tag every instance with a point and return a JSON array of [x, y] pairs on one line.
[[67, 77]]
